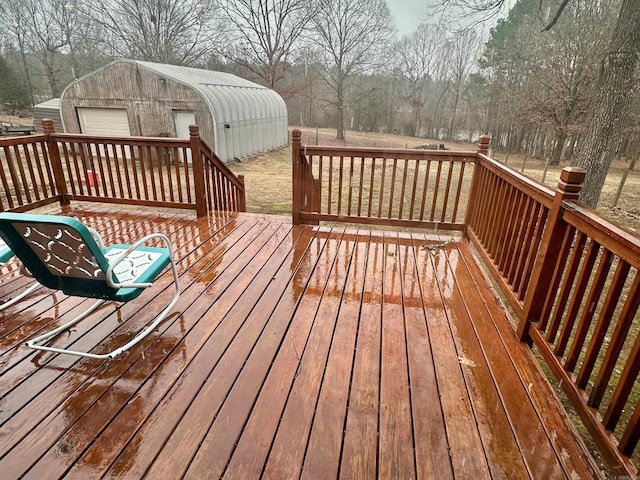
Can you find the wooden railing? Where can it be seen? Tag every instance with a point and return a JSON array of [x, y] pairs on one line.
[[224, 190], [148, 171], [27, 174], [571, 277], [398, 187], [572, 280]]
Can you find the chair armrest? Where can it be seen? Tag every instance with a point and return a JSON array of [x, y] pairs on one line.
[[96, 236], [129, 251]]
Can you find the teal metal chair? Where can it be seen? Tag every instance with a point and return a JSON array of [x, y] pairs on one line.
[[5, 255], [63, 254]]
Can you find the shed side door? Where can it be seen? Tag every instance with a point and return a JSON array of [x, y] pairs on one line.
[[182, 121]]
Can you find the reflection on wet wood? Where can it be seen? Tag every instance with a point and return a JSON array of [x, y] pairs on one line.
[[293, 352]]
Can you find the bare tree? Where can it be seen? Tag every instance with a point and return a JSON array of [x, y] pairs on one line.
[[179, 32], [13, 20], [418, 56], [266, 34], [352, 36], [464, 53]]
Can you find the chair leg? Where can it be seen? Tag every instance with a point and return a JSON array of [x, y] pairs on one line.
[[34, 342], [15, 300], [153, 324]]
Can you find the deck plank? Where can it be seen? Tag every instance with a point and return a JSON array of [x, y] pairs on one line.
[[322, 458], [82, 393], [431, 449], [503, 453], [293, 315], [293, 352], [287, 450], [96, 426], [535, 448], [560, 432], [396, 449], [196, 355], [360, 444], [467, 452]]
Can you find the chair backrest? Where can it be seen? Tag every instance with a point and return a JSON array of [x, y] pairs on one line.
[[59, 252], [5, 251]]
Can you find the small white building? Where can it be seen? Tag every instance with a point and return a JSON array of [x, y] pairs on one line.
[[237, 118]]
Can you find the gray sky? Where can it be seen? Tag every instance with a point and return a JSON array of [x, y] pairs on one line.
[[408, 14]]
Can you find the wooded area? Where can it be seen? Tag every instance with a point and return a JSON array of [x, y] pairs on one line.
[[341, 63]]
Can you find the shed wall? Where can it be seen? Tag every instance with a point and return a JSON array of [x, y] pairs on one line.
[[149, 98], [44, 110]]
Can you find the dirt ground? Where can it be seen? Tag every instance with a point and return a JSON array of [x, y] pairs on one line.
[[15, 119], [268, 176]]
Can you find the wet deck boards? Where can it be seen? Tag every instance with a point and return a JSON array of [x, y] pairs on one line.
[[293, 352]]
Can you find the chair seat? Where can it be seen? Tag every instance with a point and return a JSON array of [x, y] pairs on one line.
[[142, 265]]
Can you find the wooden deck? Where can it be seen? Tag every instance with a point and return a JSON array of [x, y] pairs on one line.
[[293, 352]]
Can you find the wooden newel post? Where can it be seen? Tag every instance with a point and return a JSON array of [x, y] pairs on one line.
[[56, 163], [242, 202], [483, 144], [571, 180], [296, 176], [198, 170], [483, 148]]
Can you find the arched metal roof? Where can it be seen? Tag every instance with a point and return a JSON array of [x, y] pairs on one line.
[[248, 118]]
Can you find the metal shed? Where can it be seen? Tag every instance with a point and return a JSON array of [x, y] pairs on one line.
[[238, 118], [49, 109]]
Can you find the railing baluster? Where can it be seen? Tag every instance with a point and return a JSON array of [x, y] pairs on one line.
[[371, 184], [393, 187], [602, 325], [556, 278], [567, 284], [623, 389], [445, 201], [456, 202], [330, 186], [340, 191], [436, 188], [532, 253], [579, 288], [403, 188], [414, 188], [615, 345], [360, 186], [384, 170], [589, 310], [425, 189]]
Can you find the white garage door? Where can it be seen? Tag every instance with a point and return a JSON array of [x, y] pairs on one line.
[[104, 121]]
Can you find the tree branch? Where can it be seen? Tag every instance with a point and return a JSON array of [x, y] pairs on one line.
[[556, 17]]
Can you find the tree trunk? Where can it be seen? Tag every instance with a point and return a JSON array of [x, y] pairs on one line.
[[609, 111], [340, 106], [561, 138]]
